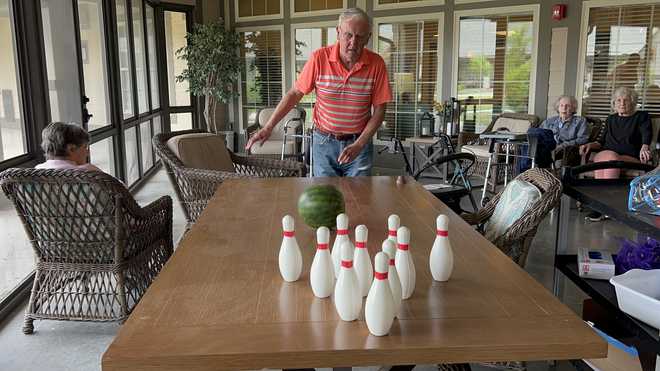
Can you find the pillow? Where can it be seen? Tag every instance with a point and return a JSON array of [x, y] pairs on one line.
[[518, 196], [202, 151]]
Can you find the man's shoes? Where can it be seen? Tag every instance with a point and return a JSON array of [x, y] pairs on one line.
[[595, 216]]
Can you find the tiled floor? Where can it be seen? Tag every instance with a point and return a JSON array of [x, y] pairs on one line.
[[79, 346]]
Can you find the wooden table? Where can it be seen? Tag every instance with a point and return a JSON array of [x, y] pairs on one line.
[[220, 302]]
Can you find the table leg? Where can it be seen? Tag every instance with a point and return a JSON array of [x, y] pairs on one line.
[[561, 241]]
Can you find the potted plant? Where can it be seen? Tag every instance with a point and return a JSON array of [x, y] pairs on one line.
[[213, 66]]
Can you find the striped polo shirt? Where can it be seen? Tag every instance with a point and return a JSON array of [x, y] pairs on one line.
[[344, 98]]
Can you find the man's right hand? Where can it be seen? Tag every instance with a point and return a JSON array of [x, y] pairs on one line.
[[260, 136]]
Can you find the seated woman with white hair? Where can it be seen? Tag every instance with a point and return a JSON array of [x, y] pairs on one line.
[[627, 136], [567, 127], [66, 146]]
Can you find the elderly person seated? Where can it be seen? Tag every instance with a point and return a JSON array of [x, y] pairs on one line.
[[66, 146], [627, 137]]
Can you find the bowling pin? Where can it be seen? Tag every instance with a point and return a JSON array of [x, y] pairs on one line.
[[290, 258], [348, 300], [379, 310], [393, 276], [404, 263], [362, 261], [342, 236], [393, 223], [441, 260], [322, 273]]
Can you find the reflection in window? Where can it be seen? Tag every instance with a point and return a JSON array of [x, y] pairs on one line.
[[101, 154], [261, 77], [622, 45], [94, 58], [256, 8], [140, 60], [175, 39], [145, 144], [125, 72], [12, 130], [307, 40], [153, 62], [181, 121], [410, 51], [132, 161], [494, 65]]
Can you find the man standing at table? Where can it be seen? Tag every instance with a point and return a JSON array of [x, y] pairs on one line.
[[348, 81]]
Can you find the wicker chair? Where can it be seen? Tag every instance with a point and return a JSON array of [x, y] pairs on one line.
[[97, 250], [470, 143], [195, 187], [516, 241]]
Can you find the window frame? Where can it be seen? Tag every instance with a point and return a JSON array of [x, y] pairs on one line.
[[238, 18], [582, 49], [407, 5], [440, 17], [509, 10], [312, 13], [279, 27]]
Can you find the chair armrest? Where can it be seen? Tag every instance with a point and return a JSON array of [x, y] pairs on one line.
[[465, 138], [266, 167]]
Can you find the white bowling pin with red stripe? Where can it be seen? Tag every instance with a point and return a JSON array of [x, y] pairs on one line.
[[362, 260], [342, 236], [404, 263], [441, 260], [379, 310], [393, 223], [348, 300], [389, 248], [322, 273], [290, 258]]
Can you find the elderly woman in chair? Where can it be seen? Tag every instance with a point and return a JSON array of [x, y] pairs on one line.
[[627, 137], [66, 146]]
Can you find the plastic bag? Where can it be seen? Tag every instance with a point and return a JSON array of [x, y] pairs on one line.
[[644, 193]]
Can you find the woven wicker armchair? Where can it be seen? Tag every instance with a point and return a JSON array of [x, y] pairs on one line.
[[97, 250], [195, 187], [516, 241]]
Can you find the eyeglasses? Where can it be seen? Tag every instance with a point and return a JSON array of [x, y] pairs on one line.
[[363, 38]]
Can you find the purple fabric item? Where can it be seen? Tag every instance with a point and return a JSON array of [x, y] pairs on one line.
[[643, 254]]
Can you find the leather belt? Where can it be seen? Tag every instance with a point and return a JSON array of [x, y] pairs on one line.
[[340, 137]]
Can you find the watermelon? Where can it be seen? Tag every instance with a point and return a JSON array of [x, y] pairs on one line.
[[319, 206]]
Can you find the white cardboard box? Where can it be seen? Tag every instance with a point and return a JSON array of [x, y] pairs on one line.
[[595, 264]]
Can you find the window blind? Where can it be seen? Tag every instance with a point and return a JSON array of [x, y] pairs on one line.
[[494, 66], [261, 77], [621, 48], [254, 8], [306, 41], [410, 51], [315, 5]]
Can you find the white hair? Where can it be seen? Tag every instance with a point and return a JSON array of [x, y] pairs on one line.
[[351, 13], [623, 91], [574, 103]]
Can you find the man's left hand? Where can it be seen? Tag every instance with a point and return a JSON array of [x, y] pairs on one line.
[[350, 153]]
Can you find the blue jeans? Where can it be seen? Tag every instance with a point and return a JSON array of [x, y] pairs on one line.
[[326, 150]]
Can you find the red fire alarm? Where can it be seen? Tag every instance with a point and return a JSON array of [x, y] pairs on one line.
[[558, 12]]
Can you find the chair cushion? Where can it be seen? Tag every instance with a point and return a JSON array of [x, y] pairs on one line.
[[514, 125], [518, 196], [477, 150], [202, 151], [278, 130], [274, 147]]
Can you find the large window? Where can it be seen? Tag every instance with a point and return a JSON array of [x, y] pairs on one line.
[[495, 64], [175, 39], [305, 8], [306, 39], [12, 129], [620, 45], [410, 51], [262, 75]]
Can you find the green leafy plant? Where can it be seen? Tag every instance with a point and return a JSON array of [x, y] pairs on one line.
[[213, 66]]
